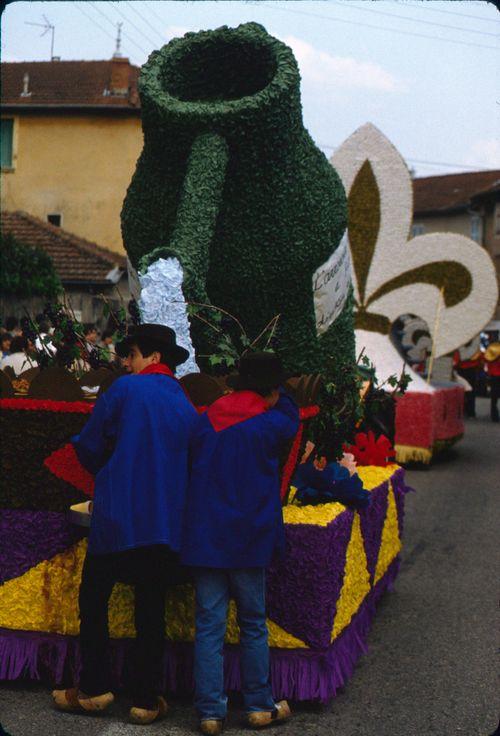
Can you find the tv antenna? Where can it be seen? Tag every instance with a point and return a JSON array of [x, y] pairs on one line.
[[117, 53], [48, 27]]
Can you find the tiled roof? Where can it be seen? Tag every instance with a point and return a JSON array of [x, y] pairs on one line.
[[70, 84], [450, 192], [74, 259]]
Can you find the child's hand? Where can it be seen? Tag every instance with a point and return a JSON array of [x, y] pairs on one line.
[[349, 462]]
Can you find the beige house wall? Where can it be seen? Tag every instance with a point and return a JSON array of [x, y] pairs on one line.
[[76, 166], [453, 223]]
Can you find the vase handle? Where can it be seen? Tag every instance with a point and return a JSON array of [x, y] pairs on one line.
[[196, 214]]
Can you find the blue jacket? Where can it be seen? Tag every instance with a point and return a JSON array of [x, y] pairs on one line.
[[136, 444], [233, 513]]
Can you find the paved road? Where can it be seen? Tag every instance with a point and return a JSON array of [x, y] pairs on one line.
[[431, 666]]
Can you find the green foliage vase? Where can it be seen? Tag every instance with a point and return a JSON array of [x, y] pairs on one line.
[[231, 184]]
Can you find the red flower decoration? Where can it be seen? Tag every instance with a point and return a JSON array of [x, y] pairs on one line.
[[370, 451], [78, 407], [64, 464]]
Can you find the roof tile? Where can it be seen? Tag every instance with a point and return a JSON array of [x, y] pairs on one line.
[[68, 83], [451, 191], [74, 258]]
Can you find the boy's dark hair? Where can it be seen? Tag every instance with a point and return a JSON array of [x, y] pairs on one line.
[[11, 323], [44, 326], [5, 336], [107, 333], [89, 327], [18, 344], [148, 346], [258, 388]]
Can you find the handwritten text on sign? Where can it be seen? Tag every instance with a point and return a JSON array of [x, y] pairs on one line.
[[331, 284]]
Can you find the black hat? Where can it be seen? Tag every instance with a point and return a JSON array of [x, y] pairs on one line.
[[257, 371], [164, 336]]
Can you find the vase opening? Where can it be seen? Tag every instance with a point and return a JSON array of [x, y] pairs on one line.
[[221, 70]]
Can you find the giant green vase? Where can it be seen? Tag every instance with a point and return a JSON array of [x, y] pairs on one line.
[[230, 182]]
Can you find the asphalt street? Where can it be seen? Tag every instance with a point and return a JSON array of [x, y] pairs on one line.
[[431, 668]]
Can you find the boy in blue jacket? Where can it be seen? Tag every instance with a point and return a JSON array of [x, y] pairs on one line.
[[233, 526], [136, 443]]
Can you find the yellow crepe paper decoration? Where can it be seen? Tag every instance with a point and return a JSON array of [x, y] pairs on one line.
[[356, 585], [45, 598], [390, 545], [411, 454], [324, 513]]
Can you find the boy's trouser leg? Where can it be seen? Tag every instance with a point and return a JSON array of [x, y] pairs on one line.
[[98, 578], [150, 590], [248, 586], [212, 598]]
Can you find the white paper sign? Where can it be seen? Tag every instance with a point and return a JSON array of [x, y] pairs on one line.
[[331, 284]]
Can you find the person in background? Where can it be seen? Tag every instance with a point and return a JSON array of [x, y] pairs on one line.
[[469, 369], [5, 342], [88, 346], [12, 325], [43, 341], [18, 359], [492, 363], [107, 346], [136, 445], [233, 525]]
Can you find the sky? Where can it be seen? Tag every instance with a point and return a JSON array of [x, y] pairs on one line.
[[425, 72]]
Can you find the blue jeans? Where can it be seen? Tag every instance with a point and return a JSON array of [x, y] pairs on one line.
[[214, 588]]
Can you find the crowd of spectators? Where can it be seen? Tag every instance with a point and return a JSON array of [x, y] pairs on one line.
[[19, 352]]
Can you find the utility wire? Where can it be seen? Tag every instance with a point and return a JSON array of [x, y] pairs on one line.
[[125, 35], [371, 25], [153, 11], [414, 20], [426, 7], [420, 161], [131, 23], [92, 20], [145, 20]]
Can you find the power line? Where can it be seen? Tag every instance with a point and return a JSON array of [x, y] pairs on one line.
[[379, 28], [92, 20], [145, 20], [153, 11], [131, 23], [125, 35], [420, 161], [426, 7], [414, 20]]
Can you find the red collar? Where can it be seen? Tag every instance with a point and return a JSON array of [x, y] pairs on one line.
[[157, 368], [235, 408]]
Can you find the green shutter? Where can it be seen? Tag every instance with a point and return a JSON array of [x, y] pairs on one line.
[[6, 127]]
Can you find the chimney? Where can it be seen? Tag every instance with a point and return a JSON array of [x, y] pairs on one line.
[[26, 84], [120, 77]]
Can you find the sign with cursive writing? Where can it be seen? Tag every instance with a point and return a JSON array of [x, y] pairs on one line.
[[331, 284]]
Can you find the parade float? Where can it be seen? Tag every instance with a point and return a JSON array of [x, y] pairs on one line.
[[445, 279], [232, 211]]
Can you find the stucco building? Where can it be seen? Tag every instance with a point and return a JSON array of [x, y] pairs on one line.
[[71, 136], [88, 273]]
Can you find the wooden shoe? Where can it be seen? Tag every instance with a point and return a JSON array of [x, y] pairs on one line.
[[263, 718], [211, 726], [75, 701], [143, 716]]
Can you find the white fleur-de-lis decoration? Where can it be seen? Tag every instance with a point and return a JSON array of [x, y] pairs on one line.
[[444, 274]]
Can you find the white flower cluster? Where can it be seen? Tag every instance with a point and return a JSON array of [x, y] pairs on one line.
[[162, 303]]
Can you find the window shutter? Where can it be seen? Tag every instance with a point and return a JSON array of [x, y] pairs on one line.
[[6, 128]]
